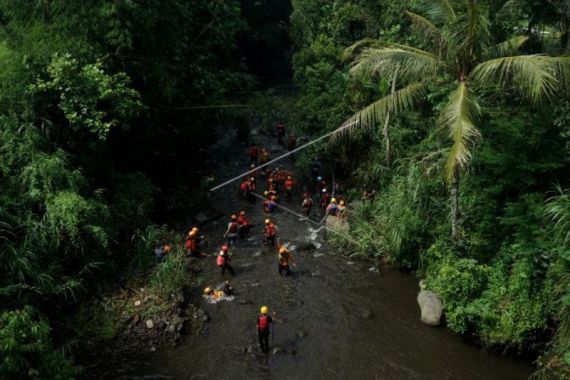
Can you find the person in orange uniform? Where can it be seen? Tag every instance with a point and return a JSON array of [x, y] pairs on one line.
[[289, 184], [193, 243], [269, 233], [285, 258], [243, 225]]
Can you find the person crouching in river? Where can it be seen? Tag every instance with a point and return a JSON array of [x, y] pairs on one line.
[[223, 260], [285, 258], [263, 326]]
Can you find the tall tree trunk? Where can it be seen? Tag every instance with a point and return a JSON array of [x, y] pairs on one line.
[[386, 130], [455, 206]]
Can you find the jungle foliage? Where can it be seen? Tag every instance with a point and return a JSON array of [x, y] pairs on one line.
[[94, 98]]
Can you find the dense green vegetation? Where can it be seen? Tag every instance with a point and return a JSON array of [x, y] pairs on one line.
[[94, 122], [102, 137], [494, 244]]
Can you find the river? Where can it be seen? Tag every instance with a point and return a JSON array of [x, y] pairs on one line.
[[337, 318]]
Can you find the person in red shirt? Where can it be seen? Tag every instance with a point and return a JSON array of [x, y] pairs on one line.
[[263, 328], [244, 188], [253, 154]]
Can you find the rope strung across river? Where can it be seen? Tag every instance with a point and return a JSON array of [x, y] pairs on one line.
[[307, 219], [340, 129]]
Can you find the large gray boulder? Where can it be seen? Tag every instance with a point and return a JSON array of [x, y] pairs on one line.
[[431, 307]]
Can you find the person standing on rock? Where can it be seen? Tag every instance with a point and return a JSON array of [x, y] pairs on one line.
[[332, 208], [232, 231], [342, 212], [263, 327], [223, 260]]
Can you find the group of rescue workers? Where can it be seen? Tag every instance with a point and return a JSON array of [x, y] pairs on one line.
[[239, 225]]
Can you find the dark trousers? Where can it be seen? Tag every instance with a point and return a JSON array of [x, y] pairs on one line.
[[284, 268], [269, 241], [228, 267], [263, 336]]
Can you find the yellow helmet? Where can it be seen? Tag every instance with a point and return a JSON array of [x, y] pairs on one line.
[[207, 291], [267, 221], [192, 233], [264, 310], [266, 193], [333, 200]]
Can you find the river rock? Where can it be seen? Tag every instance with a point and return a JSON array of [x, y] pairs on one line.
[[301, 334], [277, 350], [137, 303], [431, 307], [367, 314], [149, 324], [337, 224], [201, 217], [171, 329]]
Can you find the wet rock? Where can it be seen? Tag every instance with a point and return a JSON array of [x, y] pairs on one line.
[[367, 314], [149, 324], [431, 307], [277, 350], [248, 350], [171, 329], [306, 246], [152, 349], [205, 318], [301, 334]]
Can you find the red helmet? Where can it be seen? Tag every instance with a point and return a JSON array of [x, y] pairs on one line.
[[225, 247]]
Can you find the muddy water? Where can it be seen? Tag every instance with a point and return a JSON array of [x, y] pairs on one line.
[[336, 318]]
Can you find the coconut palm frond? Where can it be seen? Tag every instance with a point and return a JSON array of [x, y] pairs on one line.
[[426, 28], [350, 51], [509, 7], [411, 63], [441, 11], [506, 48], [533, 75], [562, 69], [401, 100], [557, 209], [458, 119]]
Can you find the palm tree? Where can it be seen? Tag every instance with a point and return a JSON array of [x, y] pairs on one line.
[[460, 52]]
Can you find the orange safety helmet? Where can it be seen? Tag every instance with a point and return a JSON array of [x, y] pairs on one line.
[[341, 202], [282, 249], [167, 248]]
